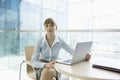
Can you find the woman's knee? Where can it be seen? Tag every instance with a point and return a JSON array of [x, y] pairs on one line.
[[45, 70], [53, 72], [48, 74], [50, 71], [45, 74]]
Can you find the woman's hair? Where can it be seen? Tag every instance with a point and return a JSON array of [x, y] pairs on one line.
[[49, 21]]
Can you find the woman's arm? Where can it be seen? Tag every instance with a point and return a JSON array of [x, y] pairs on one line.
[[35, 62], [71, 51], [68, 48]]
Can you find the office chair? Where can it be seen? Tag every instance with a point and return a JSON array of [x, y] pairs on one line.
[[30, 70]]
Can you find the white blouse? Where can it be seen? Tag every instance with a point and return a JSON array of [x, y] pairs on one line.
[[44, 51]]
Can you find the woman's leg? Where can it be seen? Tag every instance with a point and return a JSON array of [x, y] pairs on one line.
[[48, 74]]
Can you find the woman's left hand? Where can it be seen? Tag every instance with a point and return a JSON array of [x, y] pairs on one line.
[[88, 56]]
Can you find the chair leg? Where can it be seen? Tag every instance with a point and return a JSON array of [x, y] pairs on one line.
[[20, 69]]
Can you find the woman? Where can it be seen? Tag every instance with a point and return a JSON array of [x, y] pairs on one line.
[[47, 50]]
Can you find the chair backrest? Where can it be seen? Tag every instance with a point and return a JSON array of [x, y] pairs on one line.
[[28, 52]]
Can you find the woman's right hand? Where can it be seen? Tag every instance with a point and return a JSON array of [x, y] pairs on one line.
[[50, 64]]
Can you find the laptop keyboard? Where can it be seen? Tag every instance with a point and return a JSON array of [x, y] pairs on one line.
[[68, 61]]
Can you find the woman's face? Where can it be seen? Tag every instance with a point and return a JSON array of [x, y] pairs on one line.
[[50, 29]]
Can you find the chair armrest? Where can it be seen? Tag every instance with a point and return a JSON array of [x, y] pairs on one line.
[[28, 62], [23, 61]]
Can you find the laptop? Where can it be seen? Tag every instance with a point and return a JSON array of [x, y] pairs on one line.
[[81, 50]]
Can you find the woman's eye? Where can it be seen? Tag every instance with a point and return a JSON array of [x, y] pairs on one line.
[[52, 25]]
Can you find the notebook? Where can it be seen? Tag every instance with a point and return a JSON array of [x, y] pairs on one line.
[[81, 50], [108, 64], [106, 68]]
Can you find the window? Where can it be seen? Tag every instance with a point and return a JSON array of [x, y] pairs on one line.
[[91, 21]]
